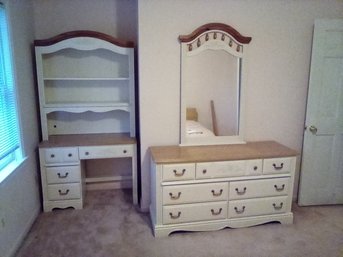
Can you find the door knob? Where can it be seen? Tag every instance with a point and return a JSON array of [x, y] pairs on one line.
[[313, 129]]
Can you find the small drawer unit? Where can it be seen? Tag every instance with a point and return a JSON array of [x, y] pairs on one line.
[[61, 178]]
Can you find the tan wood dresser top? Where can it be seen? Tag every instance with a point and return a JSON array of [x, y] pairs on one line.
[[210, 153]]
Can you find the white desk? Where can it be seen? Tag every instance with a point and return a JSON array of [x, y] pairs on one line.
[[62, 167]]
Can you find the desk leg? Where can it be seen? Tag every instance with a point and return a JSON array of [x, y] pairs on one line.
[[134, 177]]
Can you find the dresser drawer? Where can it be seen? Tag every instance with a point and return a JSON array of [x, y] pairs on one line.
[[258, 206], [108, 151], [61, 155], [258, 188], [64, 191], [194, 212], [206, 170], [277, 165], [63, 174], [175, 172], [195, 193]]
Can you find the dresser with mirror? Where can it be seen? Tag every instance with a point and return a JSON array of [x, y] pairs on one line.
[[215, 179]]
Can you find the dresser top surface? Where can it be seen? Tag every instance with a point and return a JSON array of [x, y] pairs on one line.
[[88, 140], [210, 153]]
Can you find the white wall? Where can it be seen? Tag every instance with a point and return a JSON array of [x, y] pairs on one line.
[[19, 193], [114, 17], [279, 60]]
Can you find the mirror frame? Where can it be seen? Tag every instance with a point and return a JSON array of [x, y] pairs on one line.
[[214, 36]]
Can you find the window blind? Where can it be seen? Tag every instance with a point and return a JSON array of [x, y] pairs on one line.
[[9, 132]]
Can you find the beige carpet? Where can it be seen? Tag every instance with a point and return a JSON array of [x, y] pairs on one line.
[[110, 226]]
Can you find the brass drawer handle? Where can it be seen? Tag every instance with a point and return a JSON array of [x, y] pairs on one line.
[[174, 217], [214, 213], [179, 174], [240, 211], [241, 192], [63, 176], [279, 189], [278, 207], [175, 197], [63, 193], [214, 193], [276, 167]]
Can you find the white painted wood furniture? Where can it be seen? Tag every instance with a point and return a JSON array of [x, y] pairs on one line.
[[201, 188], [87, 110]]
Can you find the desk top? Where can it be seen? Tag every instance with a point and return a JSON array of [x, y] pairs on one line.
[[88, 140], [210, 153]]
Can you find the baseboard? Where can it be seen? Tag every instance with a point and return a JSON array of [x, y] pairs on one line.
[[22, 236]]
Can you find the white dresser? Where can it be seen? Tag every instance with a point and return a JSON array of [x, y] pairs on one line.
[[200, 188]]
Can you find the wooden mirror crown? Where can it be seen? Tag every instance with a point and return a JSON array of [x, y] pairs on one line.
[[212, 90]]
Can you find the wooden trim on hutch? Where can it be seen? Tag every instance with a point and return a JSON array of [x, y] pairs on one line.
[[215, 26], [83, 33]]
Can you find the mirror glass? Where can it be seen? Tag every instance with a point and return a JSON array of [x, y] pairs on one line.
[[212, 102]]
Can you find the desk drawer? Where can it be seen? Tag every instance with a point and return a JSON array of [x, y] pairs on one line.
[[175, 172], [61, 155], [63, 174], [258, 206], [194, 212], [64, 191], [258, 188], [108, 151], [195, 193]]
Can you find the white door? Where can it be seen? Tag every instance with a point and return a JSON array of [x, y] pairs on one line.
[[321, 177]]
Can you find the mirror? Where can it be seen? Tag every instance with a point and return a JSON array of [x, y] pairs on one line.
[[212, 90]]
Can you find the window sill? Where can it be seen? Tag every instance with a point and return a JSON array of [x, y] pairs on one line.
[[5, 172]]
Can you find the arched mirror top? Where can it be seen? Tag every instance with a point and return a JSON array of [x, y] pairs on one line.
[[215, 36], [212, 91]]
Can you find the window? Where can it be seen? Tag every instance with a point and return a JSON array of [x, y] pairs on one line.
[[10, 152]]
